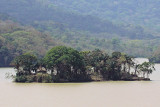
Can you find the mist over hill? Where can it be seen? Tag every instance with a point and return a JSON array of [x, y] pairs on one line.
[[16, 40], [29, 11], [124, 26], [143, 12]]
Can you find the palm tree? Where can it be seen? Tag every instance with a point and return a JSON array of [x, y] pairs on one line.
[[136, 67], [129, 62], [146, 68], [123, 62], [150, 69]]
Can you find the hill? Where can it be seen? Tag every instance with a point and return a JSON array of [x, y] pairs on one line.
[[16, 39], [139, 12], [77, 29], [30, 11]]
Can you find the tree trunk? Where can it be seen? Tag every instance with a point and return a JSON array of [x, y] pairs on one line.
[[129, 68], [143, 74]]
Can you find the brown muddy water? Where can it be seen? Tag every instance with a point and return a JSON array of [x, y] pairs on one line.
[[92, 94]]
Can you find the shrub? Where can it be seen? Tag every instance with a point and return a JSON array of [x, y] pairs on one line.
[[44, 78], [30, 78], [20, 79], [24, 78]]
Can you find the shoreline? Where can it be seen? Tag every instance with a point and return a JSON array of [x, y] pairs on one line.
[[131, 80]]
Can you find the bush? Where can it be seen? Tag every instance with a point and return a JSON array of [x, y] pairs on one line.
[[24, 78], [20, 79], [39, 77], [44, 78], [30, 78]]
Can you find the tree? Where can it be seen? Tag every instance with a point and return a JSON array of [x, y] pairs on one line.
[[126, 62], [68, 62], [146, 68], [4, 56], [27, 62]]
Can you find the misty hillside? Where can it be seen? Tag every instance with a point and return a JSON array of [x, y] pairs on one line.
[[143, 12], [29, 11], [85, 26], [16, 39]]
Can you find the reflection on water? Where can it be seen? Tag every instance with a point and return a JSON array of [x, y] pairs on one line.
[[92, 94]]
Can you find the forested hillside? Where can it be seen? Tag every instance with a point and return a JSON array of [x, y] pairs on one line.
[[143, 12], [16, 39], [30, 11], [35, 25]]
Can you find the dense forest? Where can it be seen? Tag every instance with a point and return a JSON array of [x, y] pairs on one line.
[[31, 11], [16, 40], [155, 56], [137, 12], [64, 64], [83, 25]]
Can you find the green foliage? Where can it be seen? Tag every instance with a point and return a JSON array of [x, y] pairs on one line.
[[146, 68], [66, 61], [34, 13], [39, 77], [139, 12], [5, 56], [81, 27], [64, 64], [30, 78], [82, 40], [22, 79], [155, 56], [27, 61], [43, 78], [16, 40]]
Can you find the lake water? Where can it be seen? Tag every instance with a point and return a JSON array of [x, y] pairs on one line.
[[93, 94]]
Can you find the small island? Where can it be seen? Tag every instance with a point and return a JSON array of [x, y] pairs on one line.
[[64, 64]]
